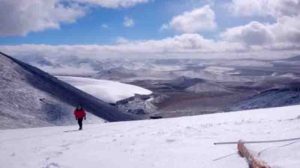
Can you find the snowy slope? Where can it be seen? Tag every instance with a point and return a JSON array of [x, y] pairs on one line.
[[185, 142], [206, 87], [106, 90], [30, 97], [26, 105]]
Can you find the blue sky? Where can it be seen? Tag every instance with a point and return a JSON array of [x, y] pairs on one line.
[[153, 27], [87, 30], [148, 18]]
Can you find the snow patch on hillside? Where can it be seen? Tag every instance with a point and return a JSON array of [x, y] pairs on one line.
[[207, 87], [106, 90], [185, 142], [218, 70]]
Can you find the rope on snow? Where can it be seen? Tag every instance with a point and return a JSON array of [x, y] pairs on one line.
[[259, 153], [249, 142]]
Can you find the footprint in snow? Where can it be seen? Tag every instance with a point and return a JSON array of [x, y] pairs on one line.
[[52, 165], [170, 140], [66, 146]]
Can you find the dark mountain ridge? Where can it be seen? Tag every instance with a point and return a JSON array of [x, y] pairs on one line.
[[45, 92]]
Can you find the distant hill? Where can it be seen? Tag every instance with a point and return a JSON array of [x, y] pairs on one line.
[[270, 98], [30, 97]]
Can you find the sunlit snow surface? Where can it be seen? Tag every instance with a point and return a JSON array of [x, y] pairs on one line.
[[106, 90], [185, 142]]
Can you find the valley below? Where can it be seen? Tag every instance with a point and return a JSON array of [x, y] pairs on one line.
[[184, 87], [134, 89]]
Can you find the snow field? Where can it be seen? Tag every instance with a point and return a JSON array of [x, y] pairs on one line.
[[185, 142]]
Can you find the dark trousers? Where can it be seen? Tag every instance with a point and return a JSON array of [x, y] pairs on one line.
[[79, 120]]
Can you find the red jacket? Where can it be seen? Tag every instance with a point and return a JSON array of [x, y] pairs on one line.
[[79, 113]]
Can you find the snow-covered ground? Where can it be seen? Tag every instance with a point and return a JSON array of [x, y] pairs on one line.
[[185, 142], [106, 90]]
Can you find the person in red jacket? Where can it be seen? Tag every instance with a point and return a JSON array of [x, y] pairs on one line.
[[79, 115]]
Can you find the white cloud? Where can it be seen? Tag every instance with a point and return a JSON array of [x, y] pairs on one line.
[[112, 3], [121, 40], [177, 45], [104, 26], [80, 69], [164, 27], [128, 22], [287, 29], [255, 39], [279, 38], [63, 58], [274, 8], [254, 33], [185, 45], [19, 17], [285, 32], [197, 20]]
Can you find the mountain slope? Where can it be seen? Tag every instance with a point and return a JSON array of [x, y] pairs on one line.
[[30, 97], [270, 98], [185, 142]]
